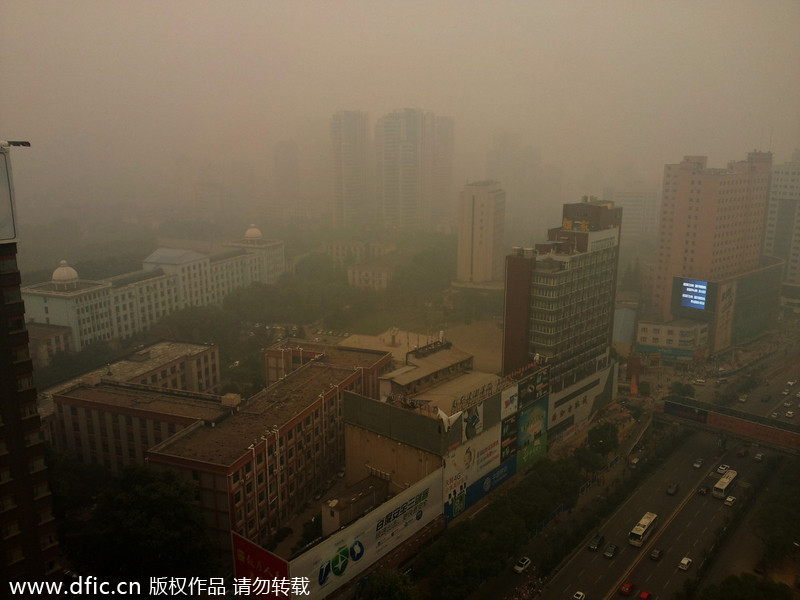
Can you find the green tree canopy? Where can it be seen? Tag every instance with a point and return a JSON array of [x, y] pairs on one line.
[[603, 439]]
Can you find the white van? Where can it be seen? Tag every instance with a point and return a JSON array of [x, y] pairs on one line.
[[699, 382]]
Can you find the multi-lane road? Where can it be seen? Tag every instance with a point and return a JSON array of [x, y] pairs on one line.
[[687, 525]]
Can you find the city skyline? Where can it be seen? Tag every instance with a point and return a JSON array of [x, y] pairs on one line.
[[140, 105]]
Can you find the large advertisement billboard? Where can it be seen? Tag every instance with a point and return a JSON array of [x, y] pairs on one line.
[[348, 552], [508, 401], [490, 482], [533, 387], [532, 437], [254, 564], [465, 465]]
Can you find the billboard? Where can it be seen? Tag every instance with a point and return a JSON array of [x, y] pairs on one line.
[[341, 557], [490, 482], [253, 563], [508, 401], [533, 387], [508, 437], [466, 464], [532, 436], [694, 293]]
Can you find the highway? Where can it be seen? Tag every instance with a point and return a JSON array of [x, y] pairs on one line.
[[687, 524]]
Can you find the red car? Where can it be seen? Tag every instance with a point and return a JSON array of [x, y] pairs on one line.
[[646, 595], [627, 588]]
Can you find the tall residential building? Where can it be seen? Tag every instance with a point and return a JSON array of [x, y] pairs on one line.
[[712, 287], [640, 204], [27, 525], [782, 233], [559, 301], [481, 224], [414, 162], [712, 221], [353, 200]]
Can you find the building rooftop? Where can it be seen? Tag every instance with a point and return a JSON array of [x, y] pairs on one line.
[[392, 340], [445, 395], [126, 369], [173, 256], [228, 440], [422, 366], [173, 403], [74, 288], [343, 356], [134, 277]]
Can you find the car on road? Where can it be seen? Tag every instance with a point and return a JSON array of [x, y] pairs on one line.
[[730, 500], [645, 595], [787, 404], [797, 395], [702, 491], [578, 596], [627, 588], [611, 551], [759, 457], [775, 415], [656, 554], [672, 488], [698, 463], [743, 398], [789, 414], [522, 564], [722, 469], [596, 542], [791, 383], [685, 563], [785, 392]]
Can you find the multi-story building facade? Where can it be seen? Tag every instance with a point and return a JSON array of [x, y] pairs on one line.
[[640, 205], [712, 222], [559, 308], [782, 232], [481, 225], [345, 253], [171, 279], [27, 526], [353, 196], [414, 158], [46, 341], [710, 267]]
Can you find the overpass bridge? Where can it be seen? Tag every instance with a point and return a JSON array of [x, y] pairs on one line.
[[703, 415]]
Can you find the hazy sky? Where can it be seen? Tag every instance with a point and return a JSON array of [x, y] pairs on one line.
[[114, 95]]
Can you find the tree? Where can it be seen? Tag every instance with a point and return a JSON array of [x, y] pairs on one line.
[[678, 388], [603, 438], [144, 525], [389, 585], [588, 460]]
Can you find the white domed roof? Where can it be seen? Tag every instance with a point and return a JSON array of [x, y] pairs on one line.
[[254, 233], [64, 273]]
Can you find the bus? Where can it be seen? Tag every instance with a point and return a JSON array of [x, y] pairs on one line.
[[643, 529], [724, 486]]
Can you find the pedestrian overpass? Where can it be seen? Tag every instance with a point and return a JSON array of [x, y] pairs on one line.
[[763, 430]]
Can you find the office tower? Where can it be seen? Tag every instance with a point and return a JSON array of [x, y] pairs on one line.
[[353, 204], [481, 222], [559, 299], [782, 233], [414, 158], [641, 211], [27, 526], [711, 224]]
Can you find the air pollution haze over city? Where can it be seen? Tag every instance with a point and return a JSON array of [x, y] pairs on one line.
[[143, 104]]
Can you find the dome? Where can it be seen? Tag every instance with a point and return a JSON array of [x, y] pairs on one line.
[[254, 233], [64, 273]]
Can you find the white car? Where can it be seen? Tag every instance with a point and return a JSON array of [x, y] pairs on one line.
[[789, 414], [730, 500], [578, 596], [698, 463], [791, 383], [785, 392], [722, 469], [685, 563], [522, 564]]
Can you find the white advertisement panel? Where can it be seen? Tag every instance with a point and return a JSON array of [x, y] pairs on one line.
[[348, 552], [466, 464], [508, 402]]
